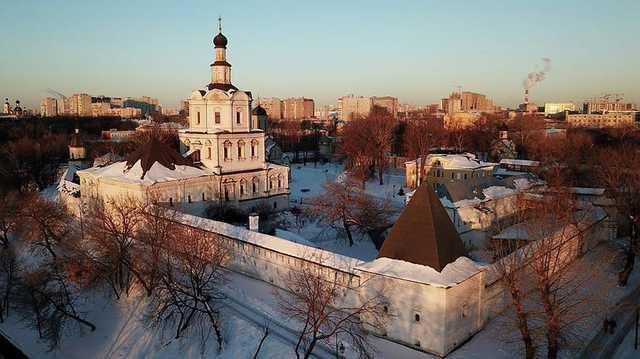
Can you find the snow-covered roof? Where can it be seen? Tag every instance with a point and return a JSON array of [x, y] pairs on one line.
[[483, 189], [157, 173], [456, 161], [587, 191], [452, 274], [337, 261], [515, 162]]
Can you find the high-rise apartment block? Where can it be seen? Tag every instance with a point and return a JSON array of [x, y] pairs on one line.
[[298, 108], [49, 107], [350, 107], [295, 108], [551, 108], [467, 102]]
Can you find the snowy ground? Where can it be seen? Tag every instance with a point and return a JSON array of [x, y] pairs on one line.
[[308, 181], [626, 349]]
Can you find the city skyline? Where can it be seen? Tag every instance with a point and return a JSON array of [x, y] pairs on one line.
[[417, 51]]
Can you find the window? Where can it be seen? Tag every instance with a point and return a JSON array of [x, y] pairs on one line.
[[227, 150], [209, 152], [279, 182], [203, 198], [241, 188], [171, 201], [254, 186], [189, 198], [275, 205], [226, 194], [238, 117], [198, 117], [254, 148], [240, 149], [417, 317], [217, 118]]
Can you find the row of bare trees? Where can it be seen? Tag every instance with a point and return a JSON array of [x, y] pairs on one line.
[[549, 292], [121, 246]]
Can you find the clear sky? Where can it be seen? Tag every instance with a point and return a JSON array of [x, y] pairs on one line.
[[416, 50]]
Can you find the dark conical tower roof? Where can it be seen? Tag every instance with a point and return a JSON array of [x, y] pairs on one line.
[[156, 151], [424, 233]]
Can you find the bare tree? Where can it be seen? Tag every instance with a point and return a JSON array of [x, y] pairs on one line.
[[316, 301], [189, 290], [346, 206], [618, 173], [356, 146], [9, 270], [555, 225], [46, 224], [111, 230], [511, 261], [419, 137], [9, 217], [380, 126], [46, 302]]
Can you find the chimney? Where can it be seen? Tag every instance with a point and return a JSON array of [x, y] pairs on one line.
[[254, 222]]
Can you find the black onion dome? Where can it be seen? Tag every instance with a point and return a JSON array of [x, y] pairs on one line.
[[259, 111], [220, 40]]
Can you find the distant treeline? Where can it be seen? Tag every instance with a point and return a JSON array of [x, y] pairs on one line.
[[37, 127]]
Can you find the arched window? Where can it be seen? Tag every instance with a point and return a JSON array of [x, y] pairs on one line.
[[189, 198], [241, 149], [198, 117], [226, 193], [243, 186], [227, 151], [209, 152], [238, 117], [254, 185], [254, 148], [171, 201], [217, 118], [279, 181], [203, 197]]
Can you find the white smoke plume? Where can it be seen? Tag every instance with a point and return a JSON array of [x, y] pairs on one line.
[[537, 76]]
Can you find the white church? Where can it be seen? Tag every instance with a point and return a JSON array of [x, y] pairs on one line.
[[222, 154]]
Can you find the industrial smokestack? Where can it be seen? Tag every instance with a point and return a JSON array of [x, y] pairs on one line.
[[534, 77]]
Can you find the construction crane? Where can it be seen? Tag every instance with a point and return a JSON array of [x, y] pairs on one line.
[[55, 93]]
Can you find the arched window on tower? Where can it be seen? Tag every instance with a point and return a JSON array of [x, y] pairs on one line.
[[254, 149], [241, 149], [198, 117]]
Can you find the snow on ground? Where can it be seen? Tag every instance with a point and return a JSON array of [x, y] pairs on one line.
[[308, 182], [121, 333], [626, 349]]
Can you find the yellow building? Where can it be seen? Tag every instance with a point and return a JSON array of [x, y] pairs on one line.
[[609, 119], [446, 168]]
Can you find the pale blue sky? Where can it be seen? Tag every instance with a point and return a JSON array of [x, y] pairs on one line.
[[416, 50]]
